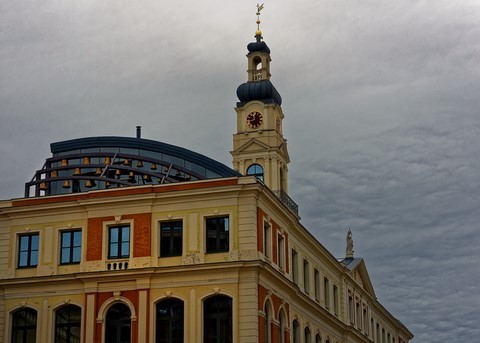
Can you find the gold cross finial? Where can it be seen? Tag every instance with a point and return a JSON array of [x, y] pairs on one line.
[[259, 8]]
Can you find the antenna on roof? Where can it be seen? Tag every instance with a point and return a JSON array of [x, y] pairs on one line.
[[139, 132]]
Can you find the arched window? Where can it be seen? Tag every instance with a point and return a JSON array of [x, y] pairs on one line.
[[267, 323], [308, 336], [318, 338], [118, 324], [217, 319], [281, 327], [169, 321], [255, 170], [24, 326], [296, 332], [67, 324]]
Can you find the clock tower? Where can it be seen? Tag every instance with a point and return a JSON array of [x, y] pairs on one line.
[[259, 148]]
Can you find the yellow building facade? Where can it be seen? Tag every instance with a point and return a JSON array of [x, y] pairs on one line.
[[130, 240]]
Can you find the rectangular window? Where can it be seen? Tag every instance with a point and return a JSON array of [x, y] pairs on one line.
[[358, 316], [119, 241], [28, 250], [71, 246], [171, 238], [351, 310], [326, 291], [316, 277], [294, 267], [335, 299], [281, 252], [217, 234], [365, 320], [372, 328], [306, 276], [267, 233]]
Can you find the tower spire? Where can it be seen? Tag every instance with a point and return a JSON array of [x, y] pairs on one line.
[[258, 33]]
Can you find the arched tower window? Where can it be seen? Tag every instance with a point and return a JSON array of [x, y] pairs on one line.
[[217, 319], [257, 63], [24, 325], [169, 321], [255, 170], [67, 324], [118, 324], [318, 339]]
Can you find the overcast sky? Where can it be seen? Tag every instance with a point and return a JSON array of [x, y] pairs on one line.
[[381, 103]]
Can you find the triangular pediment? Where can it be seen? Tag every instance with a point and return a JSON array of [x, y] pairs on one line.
[[253, 145], [358, 271]]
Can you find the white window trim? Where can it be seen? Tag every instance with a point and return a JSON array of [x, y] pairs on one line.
[[106, 226]]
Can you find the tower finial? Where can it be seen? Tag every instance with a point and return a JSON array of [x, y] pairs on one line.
[[258, 33]]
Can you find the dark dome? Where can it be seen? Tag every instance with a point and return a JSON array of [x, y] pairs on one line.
[[258, 46], [260, 90]]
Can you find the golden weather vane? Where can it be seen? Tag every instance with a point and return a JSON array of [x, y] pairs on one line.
[[259, 8]]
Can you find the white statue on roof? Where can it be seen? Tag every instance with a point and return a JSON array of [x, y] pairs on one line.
[[349, 250]]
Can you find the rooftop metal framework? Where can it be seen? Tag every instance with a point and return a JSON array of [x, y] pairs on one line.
[[84, 164]]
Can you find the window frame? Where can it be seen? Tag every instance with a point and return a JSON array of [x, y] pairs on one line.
[[120, 241], [29, 250], [335, 300], [170, 238], [281, 251], [218, 233], [267, 239], [295, 267], [255, 171], [70, 324], [326, 292], [170, 320], [306, 276], [23, 328], [71, 246], [316, 278], [220, 318]]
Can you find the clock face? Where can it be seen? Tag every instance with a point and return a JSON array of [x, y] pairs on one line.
[[254, 120]]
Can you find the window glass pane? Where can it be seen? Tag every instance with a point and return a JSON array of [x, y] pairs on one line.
[[113, 235], [34, 258], [125, 249], [113, 250], [23, 259], [65, 258], [77, 238], [125, 234], [24, 243], [76, 256], [65, 239]]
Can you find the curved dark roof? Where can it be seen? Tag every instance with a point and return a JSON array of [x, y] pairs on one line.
[[145, 144], [259, 90], [258, 47]]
